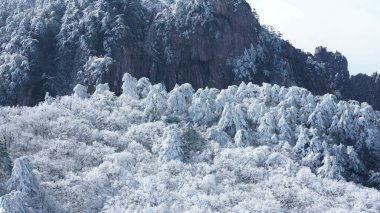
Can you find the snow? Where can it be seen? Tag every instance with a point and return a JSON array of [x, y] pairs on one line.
[[80, 91], [243, 149], [129, 85]]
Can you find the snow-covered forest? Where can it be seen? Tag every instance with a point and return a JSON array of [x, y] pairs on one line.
[[243, 149], [105, 141]]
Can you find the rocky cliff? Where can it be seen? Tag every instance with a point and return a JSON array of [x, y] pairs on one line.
[[365, 88], [49, 46]]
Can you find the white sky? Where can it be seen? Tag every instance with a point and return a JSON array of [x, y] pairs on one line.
[[351, 27]]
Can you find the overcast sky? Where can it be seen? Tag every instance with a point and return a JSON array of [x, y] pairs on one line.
[[351, 27]]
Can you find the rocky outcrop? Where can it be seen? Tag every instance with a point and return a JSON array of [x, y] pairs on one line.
[[195, 51], [365, 88]]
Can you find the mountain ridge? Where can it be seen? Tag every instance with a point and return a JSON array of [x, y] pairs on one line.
[[208, 43]]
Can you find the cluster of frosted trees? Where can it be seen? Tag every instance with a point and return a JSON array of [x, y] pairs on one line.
[[205, 150], [59, 43], [335, 139]]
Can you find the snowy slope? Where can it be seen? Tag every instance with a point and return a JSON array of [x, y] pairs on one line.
[[244, 149]]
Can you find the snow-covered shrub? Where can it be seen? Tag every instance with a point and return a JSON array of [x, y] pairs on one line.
[[101, 89], [80, 91], [129, 86]]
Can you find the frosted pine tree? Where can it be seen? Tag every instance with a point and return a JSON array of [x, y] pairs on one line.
[[285, 130], [354, 162], [188, 92], [80, 91], [171, 147], [232, 119], [24, 192], [226, 96], [129, 86], [323, 114], [203, 109], [330, 168], [267, 128], [256, 111], [155, 102], [267, 95], [242, 138], [243, 91], [23, 179], [308, 104], [316, 143], [48, 99], [302, 142], [143, 87], [179, 100], [316, 121]]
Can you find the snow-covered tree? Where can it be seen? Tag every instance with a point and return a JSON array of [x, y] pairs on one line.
[[242, 138], [14, 74], [143, 87], [171, 147], [155, 102], [95, 69], [302, 142], [232, 119], [24, 189], [48, 99], [129, 86], [267, 128], [256, 111], [354, 162], [269, 95], [244, 66], [321, 118], [101, 89], [331, 168], [226, 96], [179, 100], [23, 179], [203, 110], [285, 130], [80, 91], [374, 178]]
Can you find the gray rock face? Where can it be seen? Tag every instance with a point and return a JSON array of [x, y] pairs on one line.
[[365, 88], [193, 52], [212, 43]]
